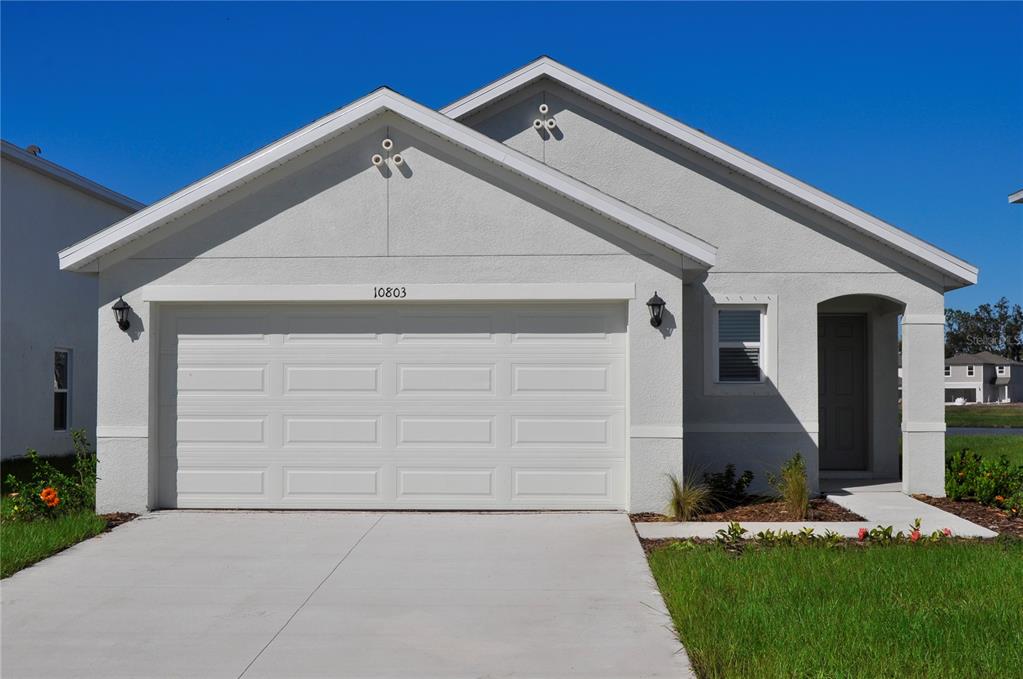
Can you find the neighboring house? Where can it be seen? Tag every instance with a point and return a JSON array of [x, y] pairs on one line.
[[395, 307], [1016, 197], [47, 316], [983, 378]]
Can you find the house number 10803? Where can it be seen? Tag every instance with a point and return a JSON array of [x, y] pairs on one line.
[[389, 293]]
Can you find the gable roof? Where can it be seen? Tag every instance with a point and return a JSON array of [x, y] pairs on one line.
[[86, 252], [980, 358], [66, 176], [960, 271]]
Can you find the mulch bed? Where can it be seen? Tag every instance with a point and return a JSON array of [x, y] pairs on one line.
[[116, 519], [771, 510], [989, 517]]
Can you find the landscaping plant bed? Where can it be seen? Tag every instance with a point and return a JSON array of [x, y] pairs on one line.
[[998, 520], [765, 510]]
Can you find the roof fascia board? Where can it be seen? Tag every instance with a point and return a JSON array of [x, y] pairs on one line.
[[1016, 197], [66, 176], [947, 263], [382, 100]]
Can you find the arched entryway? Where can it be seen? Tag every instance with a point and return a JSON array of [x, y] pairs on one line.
[[857, 386]]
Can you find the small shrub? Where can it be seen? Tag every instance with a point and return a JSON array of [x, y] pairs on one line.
[[727, 489], [793, 487], [688, 498], [48, 491], [990, 482]]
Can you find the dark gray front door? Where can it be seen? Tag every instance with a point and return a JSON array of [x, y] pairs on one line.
[[842, 391]]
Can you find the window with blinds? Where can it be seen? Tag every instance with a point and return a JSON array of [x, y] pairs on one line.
[[739, 345]]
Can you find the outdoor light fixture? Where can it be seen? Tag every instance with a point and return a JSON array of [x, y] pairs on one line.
[[121, 312], [656, 305]]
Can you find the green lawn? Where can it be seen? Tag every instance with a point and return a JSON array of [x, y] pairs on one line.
[[24, 543], [948, 610], [1008, 415], [987, 446]]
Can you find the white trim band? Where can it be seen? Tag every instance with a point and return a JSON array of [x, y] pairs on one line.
[[410, 292], [923, 319], [923, 427], [656, 431], [122, 431], [808, 427]]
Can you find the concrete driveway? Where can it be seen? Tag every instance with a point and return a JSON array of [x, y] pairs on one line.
[[329, 594]]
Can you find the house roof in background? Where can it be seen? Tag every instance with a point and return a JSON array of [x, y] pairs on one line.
[[80, 255], [980, 358], [962, 272], [1016, 197], [66, 176]]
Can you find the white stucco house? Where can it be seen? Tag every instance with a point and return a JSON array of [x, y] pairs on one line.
[[47, 316], [397, 307], [983, 377]]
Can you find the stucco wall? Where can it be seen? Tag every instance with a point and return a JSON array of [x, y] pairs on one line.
[[330, 217], [44, 308], [766, 246]]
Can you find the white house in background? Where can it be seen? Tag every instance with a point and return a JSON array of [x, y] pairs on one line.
[[983, 378], [47, 316], [396, 307], [1016, 197]]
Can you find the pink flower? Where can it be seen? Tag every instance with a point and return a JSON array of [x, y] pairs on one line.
[[947, 532], [914, 536], [862, 534]]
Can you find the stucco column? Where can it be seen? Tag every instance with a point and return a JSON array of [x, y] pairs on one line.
[[923, 409]]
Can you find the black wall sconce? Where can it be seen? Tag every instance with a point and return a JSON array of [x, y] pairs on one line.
[[656, 305], [121, 313]]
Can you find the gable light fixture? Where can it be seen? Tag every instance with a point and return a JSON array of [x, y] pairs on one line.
[[121, 314], [656, 306]]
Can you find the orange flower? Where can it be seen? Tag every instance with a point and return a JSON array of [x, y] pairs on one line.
[[49, 496], [999, 498]]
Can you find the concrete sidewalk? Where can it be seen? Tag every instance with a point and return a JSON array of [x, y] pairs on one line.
[[881, 504]]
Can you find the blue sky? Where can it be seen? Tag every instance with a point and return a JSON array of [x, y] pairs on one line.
[[913, 112]]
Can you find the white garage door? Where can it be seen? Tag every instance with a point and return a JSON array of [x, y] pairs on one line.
[[412, 406]]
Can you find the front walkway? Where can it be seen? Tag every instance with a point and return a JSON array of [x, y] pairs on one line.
[[879, 502], [334, 594]]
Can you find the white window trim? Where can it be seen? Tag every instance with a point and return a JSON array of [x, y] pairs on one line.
[[66, 389], [768, 344], [1002, 370], [971, 371]]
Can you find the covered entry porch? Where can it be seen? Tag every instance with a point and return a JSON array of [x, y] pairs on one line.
[[858, 345]]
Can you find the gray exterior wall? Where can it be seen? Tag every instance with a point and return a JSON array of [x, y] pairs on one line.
[[767, 246], [988, 386], [43, 308], [330, 217]]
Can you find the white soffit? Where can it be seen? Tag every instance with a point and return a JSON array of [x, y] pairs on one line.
[[80, 255], [961, 271]]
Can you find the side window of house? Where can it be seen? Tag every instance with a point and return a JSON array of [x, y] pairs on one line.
[[948, 371], [740, 355], [61, 395], [969, 371], [1001, 369]]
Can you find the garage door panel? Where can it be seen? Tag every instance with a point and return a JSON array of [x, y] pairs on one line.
[[448, 379], [430, 406], [313, 482], [332, 431], [332, 378], [240, 430], [221, 379]]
